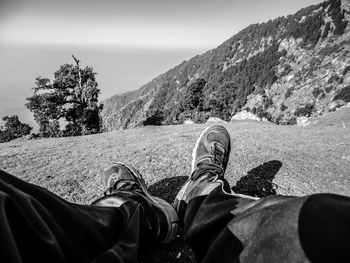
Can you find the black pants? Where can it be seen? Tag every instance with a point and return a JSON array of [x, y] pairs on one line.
[[223, 228], [38, 226]]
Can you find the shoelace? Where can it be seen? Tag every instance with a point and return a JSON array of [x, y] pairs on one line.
[[217, 151], [122, 184], [215, 169]]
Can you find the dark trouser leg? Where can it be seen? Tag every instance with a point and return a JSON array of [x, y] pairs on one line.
[[38, 226], [224, 228], [205, 227]]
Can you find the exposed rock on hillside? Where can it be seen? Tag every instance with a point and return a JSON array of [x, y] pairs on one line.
[[280, 70], [302, 121], [245, 115], [215, 120], [189, 122]]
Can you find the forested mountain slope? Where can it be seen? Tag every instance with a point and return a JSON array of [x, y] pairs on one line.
[[292, 66]]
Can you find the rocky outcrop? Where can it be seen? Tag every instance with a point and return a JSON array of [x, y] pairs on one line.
[[215, 120], [302, 121], [309, 76], [189, 122], [245, 115]]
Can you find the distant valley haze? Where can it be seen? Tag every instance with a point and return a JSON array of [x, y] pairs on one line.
[[128, 43]]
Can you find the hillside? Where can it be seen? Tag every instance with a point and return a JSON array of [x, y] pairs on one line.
[[266, 159], [282, 69]]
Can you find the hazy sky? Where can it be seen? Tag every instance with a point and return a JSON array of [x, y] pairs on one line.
[[127, 42]]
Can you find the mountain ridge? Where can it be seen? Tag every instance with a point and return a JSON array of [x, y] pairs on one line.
[[281, 69]]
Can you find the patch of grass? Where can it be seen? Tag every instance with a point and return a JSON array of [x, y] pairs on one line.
[[71, 167]]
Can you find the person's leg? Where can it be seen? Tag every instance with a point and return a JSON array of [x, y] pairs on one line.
[[225, 227], [38, 226], [204, 204]]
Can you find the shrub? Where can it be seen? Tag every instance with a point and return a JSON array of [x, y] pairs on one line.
[[334, 78], [193, 96], [310, 30], [346, 70], [72, 129], [291, 121], [169, 120], [343, 94], [264, 114], [304, 111], [329, 89], [13, 129], [223, 98], [5, 136], [288, 93], [201, 117], [279, 119], [155, 118], [259, 91], [268, 103], [54, 129], [335, 11], [286, 70], [314, 64], [316, 92], [326, 30], [259, 109], [328, 50], [283, 107]]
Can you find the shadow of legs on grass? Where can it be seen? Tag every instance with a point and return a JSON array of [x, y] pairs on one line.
[[167, 188], [258, 181], [177, 251]]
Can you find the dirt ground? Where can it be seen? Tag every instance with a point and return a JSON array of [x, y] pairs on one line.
[[266, 159]]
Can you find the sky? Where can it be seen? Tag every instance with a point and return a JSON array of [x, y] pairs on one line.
[[127, 42]]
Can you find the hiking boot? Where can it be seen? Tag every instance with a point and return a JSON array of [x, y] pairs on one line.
[[209, 161], [122, 179], [212, 149]]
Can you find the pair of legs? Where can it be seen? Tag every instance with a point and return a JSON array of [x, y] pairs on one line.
[[220, 226]]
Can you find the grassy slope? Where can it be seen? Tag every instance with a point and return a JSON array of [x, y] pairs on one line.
[[299, 161]]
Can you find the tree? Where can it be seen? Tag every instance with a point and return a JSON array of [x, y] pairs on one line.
[[193, 97], [13, 129], [72, 96], [222, 101], [155, 119]]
